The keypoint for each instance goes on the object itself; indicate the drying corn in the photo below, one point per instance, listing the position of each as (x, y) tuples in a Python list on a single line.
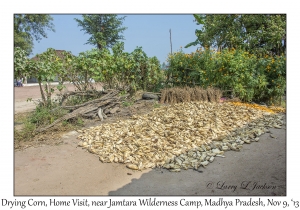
[(181, 136)]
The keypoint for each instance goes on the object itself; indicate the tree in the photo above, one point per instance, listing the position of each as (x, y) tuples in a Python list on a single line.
[(29, 27), (20, 62), (259, 34), (104, 29), (45, 67)]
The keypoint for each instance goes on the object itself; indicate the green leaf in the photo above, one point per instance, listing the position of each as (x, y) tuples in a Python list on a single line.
[(192, 44), (199, 19)]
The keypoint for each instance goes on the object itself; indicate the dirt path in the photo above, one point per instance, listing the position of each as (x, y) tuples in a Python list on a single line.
[(65, 169)]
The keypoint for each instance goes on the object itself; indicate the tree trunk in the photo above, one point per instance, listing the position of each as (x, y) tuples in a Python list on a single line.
[(48, 92), (42, 92), (99, 46), (86, 80)]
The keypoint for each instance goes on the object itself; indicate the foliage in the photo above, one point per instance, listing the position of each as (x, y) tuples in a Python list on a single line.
[(257, 34), (28, 27), (117, 69), (82, 69), (44, 116), (141, 72), (40, 117), (104, 29), (45, 68), (246, 75), (156, 105), (26, 133), (127, 103), (134, 69), (20, 62)]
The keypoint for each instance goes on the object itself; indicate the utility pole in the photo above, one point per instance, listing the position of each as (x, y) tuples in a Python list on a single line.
[(170, 40), (170, 75)]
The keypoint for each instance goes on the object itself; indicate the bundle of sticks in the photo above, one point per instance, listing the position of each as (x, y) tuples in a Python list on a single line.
[(91, 109)]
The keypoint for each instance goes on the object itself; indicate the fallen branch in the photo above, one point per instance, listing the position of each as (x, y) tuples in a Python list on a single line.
[(89, 109), (84, 104), (80, 93)]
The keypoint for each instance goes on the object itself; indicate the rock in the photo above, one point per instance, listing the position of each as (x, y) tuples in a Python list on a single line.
[(114, 110), (149, 96)]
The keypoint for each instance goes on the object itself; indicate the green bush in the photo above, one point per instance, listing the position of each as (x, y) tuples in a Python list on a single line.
[(248, 77), (44, 116)]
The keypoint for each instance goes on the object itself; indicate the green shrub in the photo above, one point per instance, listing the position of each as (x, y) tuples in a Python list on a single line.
[(248, 77)]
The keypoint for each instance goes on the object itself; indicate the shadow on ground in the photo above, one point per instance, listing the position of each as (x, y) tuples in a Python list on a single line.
[(259, 169)]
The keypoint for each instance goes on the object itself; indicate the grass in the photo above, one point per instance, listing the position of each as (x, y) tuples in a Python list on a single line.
[(127, 103), (40, 117), (122, 93), (43, 116), (26, 133)]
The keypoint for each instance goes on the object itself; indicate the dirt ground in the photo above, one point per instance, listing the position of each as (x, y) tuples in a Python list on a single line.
[(65, 169), (21, 94)]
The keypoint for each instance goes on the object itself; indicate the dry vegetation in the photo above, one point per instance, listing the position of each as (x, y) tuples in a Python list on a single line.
[(188, 94)]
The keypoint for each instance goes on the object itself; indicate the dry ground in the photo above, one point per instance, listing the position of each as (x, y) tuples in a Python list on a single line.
[(65, 169)]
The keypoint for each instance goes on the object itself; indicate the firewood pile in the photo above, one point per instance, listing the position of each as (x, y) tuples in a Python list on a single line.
[(108, 99)]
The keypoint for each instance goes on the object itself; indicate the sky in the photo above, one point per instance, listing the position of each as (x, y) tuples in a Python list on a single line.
[(151, 32)]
